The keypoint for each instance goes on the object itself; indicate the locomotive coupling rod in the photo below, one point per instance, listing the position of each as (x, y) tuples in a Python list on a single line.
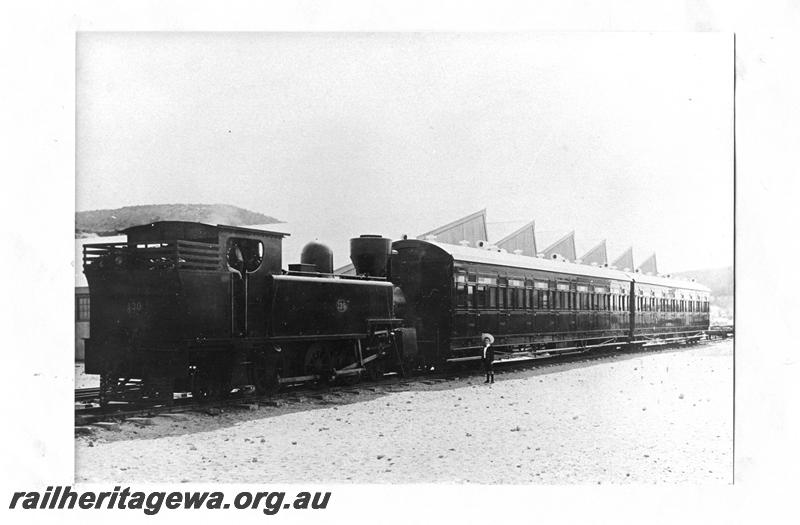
[(349, 372), (297, 379), (364, 361)]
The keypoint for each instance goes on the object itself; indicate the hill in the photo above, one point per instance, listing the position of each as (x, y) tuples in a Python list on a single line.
[(110, 222), (720, 280)]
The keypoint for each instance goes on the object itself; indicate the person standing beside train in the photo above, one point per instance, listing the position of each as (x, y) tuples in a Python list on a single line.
[(488, 357)]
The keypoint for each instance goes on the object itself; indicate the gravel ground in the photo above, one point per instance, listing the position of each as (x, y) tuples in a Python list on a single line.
[(663, 417), (85, 380)]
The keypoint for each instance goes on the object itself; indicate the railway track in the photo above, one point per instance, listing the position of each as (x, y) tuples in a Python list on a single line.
[(88, 411)]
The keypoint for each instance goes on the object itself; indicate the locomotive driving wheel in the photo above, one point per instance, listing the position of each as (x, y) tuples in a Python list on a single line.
[(208, 386), (158, 388), (318, 362), (264, 374), (375, 369), (108, 386)]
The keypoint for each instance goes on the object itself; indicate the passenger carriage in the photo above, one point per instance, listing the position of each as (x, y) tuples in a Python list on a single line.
[(532, 306)]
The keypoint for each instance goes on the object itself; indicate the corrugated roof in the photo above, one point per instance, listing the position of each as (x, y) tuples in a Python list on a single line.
[(649, 265), (471, 228), (624, 260), (598, 254), (523, 239), (565, 247)]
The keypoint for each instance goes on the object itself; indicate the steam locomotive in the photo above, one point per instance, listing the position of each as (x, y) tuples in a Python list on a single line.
[(191, 307)]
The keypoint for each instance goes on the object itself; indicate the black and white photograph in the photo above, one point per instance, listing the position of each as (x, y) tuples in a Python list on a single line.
[(404, 258), (360, 262)]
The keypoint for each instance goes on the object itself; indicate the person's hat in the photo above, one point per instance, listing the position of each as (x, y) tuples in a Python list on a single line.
[(490, 337)]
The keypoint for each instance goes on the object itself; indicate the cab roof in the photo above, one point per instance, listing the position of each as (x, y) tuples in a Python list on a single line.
[(190, 231)]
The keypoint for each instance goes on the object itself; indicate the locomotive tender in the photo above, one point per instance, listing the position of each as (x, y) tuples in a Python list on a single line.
[(193, 307)]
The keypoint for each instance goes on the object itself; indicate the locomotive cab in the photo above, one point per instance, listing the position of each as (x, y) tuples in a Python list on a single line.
[(175, 287)]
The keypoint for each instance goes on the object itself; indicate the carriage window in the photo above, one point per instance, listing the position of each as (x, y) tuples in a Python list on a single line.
[(501, 298), (461, 294), (470, 296), (82, 307), (492, 297), (480, 297)]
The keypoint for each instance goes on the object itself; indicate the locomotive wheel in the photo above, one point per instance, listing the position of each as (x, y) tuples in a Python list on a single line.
[(375, 370), (318, 362), (159, 388), (208, 387), (108, 383), (265, 375), (211, 391), (350, 380)]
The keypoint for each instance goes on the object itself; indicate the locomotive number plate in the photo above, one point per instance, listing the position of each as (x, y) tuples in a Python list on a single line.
[(134, 307)]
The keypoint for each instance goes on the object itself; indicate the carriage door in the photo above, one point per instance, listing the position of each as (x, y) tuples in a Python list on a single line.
[(244, 257)]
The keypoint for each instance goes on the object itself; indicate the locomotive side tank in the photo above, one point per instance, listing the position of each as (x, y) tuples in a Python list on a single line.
[(327, 326), (325, 307)]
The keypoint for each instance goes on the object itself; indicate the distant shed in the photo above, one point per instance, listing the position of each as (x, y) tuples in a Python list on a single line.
[(471, 228)]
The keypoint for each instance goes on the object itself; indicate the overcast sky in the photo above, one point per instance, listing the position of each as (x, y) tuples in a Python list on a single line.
[(625, 136)]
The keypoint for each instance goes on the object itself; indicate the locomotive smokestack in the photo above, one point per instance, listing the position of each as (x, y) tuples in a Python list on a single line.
[(370, 254)]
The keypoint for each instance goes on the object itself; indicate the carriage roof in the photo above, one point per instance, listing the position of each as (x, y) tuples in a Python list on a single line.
[(468, 254)]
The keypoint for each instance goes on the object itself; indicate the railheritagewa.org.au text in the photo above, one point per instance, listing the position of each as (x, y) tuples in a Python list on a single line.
[(152, 502)]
